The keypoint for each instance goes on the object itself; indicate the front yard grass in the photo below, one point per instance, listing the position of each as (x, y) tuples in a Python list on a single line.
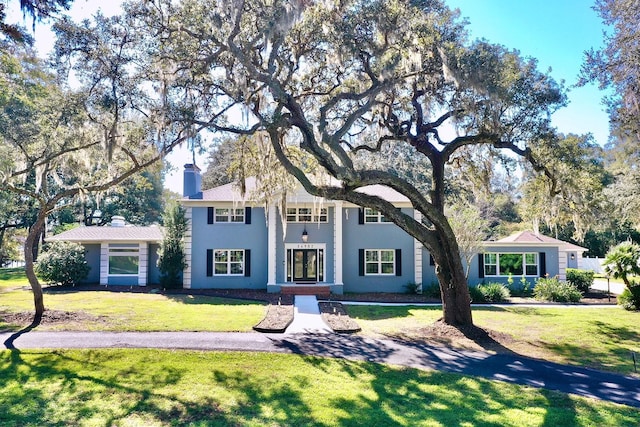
[(162, 388), (123, 311), (601, 338)]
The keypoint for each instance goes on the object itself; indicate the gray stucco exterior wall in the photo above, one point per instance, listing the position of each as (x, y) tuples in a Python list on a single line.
[(153, 274), (358, 236), (92, 255), (229, 236)]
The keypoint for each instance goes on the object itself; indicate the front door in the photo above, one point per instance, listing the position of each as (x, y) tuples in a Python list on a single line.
[(305, 265)]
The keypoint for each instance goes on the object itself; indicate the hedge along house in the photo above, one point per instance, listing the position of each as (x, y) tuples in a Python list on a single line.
[(118, 254)]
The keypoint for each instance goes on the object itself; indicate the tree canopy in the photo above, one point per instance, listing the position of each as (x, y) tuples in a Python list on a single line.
[(383, 74), (616, 65), (60, 143)]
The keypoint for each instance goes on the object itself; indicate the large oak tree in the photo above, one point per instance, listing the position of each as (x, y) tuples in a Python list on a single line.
[(59, 143), (340, 78)]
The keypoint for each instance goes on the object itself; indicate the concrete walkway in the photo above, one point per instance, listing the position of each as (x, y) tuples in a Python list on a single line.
[(503, 367), (306, 317)]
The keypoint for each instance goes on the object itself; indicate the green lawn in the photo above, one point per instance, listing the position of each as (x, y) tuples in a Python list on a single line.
[(123, 311), (157, 388), (602, 338)]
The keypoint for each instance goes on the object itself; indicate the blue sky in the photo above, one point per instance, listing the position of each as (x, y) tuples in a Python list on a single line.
[(556, 32)]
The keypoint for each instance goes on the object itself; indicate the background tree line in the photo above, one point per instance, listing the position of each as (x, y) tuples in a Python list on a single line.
[(367, 100)]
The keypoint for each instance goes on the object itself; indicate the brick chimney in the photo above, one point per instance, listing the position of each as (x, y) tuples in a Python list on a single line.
[(192, 182)]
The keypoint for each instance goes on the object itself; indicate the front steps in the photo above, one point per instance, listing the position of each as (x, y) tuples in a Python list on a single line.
[(320, 291)]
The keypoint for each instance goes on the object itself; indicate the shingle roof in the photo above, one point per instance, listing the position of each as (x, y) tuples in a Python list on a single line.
[(529, 237), (110, 234), (231, 193)]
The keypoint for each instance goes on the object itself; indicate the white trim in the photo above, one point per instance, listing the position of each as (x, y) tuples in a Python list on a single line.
[(229, 263), (524, 264), (337, 244), (379, 262), (132, 249), (417, 255), (143, 264), (271, 246), (379, 216), (186, 273), (317, 246), (314, 217), (104, 263), (562, 265), (232, 213)]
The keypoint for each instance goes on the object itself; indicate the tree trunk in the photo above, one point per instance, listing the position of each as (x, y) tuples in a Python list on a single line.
[(2, 257), (31, 241), (454, 289)]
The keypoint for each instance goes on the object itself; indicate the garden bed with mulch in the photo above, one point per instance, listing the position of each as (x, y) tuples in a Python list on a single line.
[(279, 313), (334, 315), (278, 317)]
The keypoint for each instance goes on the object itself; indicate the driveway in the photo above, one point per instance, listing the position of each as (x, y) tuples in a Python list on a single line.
[(601, 284), (509, 368)]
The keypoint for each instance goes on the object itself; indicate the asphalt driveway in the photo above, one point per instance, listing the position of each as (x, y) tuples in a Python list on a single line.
[(514, 369)]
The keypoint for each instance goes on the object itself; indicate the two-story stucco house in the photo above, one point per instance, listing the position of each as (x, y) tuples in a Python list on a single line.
[(234, 243)]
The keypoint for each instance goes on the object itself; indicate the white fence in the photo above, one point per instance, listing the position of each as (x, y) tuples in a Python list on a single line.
[(15, 264), (593, 264)]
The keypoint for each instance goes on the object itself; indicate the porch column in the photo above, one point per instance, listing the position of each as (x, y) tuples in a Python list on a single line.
[(271, 245), (562, 265), (143, 263), (417, 263), (337, 243), (186, 273), (104, 263)]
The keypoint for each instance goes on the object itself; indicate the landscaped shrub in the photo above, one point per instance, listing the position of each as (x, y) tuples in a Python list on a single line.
[(629, 299), (432, 290), (494, 292), (581, 279), (521, 289), (475, 294), (552, 289), (171, 256), (62, 263), (413, 288)]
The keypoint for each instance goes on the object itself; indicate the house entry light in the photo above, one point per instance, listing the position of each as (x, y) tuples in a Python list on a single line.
[(305, 235)]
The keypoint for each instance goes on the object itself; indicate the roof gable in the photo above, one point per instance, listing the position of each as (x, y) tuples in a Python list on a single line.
[(231, 193), (535, 239)]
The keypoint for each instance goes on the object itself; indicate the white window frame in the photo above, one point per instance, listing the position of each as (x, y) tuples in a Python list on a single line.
[(379, 262), (123, 250), (524, 264), (309, 215), (228, 262), (231, 216), (372, 216)]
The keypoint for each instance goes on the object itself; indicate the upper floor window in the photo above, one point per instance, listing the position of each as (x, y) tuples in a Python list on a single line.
[(372, 215), (307, 215), (230, 215)]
